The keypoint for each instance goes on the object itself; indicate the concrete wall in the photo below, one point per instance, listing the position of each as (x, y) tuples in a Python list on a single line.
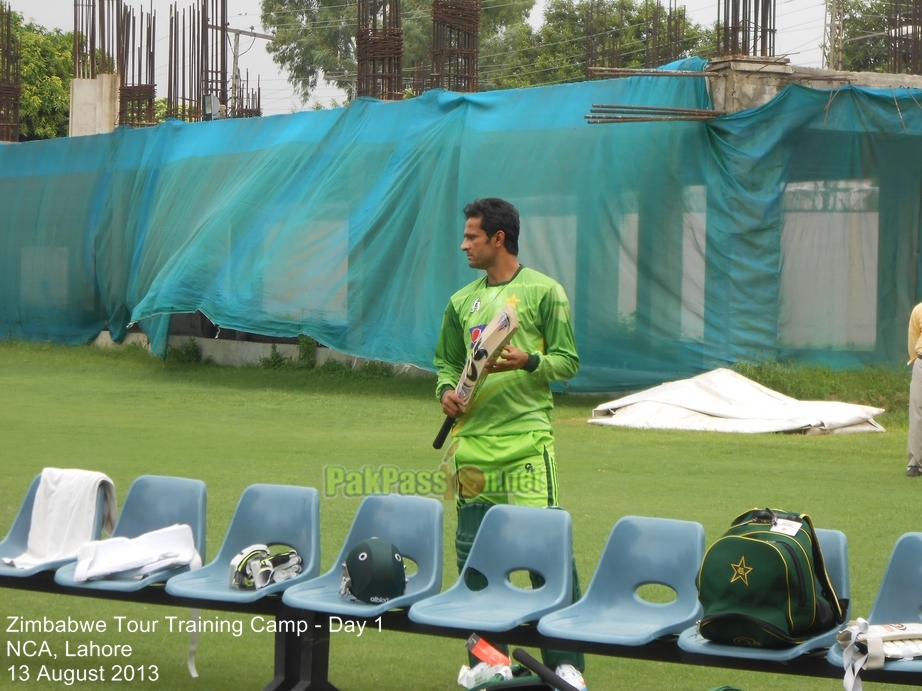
[(246, 353), (739, 83), (93, 105)]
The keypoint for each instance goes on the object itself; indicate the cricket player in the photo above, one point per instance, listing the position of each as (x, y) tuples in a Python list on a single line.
[(502, 447)]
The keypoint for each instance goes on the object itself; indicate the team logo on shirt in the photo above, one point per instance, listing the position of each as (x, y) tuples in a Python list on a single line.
[(476, 332), (476, 306)]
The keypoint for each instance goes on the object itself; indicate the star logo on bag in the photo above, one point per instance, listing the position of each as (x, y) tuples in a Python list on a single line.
[(740, 571)]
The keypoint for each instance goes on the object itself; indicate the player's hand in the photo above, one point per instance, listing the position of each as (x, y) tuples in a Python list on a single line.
[(452, 404), (511, 358)]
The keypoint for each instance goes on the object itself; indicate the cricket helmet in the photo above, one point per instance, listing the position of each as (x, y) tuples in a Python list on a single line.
[(374, 572)]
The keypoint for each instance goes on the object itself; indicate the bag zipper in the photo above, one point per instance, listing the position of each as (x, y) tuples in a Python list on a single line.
[(800, 572)]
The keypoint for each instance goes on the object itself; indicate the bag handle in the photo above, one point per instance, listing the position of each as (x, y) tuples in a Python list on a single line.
[(839, 607)]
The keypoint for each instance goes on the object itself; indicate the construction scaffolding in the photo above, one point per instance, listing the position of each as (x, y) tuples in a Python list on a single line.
[(604, 36), (664, 33), (455, 49), (746, 27), (136, 67), (197, 61), (609, 43), (246, 102), (904, 33), (214, 48), (10, 88), (95, 37), (379, 50)]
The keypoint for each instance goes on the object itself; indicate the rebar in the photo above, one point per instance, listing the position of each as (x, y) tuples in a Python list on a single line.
[(746, 27), (418, 79), (197, 64), (250, 100), (607, 114), (95, 37), (662, 33), (455, 48), (379, 50), (136, 67), (904, 33), (10, 71)]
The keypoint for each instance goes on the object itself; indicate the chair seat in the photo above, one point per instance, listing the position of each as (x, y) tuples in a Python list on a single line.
[(16, 542), (639, 551), (898, 600), (65, 576), (608, 625), (495, 611), (265, 514), (413, 525), (835, 554), (322, 595), (510, 539), (691, 642), (153, 502), (13, 572), (835, 656)]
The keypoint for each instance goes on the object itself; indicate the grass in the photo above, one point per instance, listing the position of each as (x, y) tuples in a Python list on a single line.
[(125, 413)]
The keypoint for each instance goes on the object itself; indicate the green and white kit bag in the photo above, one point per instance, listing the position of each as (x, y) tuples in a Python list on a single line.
[(764, 583)]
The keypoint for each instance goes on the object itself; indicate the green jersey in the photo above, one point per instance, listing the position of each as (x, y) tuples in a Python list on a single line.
[(521, 400)]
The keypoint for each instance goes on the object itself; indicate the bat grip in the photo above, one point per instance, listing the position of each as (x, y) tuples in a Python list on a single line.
[(542, 671), (443, 433)]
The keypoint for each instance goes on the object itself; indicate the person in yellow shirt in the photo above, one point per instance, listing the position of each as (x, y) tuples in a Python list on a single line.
[(914, 445)]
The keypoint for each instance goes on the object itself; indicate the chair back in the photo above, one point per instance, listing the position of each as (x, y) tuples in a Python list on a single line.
[(17, 539), (524, 538), (412, 524), (899, 599), (835, 554), (643, 551), (156, 501), (268, 514)]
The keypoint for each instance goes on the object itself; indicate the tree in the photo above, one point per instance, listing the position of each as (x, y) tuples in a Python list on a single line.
[(865, 45), (556, 52), (47, 65), (315, 39)]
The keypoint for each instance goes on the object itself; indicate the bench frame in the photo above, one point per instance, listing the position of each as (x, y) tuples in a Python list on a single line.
[(302, 662)]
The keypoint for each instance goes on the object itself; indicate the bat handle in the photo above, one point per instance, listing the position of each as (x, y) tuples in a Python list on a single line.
[(542, 671), (443, 433)]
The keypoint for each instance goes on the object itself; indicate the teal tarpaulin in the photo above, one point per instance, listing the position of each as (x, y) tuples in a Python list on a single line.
[(786, 231)]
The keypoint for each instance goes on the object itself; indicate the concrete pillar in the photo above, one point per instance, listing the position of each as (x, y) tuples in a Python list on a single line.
[(93, 105)]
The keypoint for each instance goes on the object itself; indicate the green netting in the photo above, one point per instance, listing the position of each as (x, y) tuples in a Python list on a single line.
[(787, 231)]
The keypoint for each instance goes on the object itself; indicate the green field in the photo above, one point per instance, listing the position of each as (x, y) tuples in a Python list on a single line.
[(126, 413)]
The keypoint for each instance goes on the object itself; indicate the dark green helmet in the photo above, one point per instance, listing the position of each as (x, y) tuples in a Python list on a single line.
[(374, 572)]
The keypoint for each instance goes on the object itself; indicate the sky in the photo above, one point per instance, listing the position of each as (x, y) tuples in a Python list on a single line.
[(800, 25)]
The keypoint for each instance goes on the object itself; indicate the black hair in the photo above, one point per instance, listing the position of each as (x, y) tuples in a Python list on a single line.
[(496, 214)]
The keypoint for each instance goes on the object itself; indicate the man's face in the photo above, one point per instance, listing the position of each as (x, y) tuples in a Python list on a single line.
[(480, 249)]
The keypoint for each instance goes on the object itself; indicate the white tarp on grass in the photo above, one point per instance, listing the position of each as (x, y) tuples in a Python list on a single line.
[(724, 401)]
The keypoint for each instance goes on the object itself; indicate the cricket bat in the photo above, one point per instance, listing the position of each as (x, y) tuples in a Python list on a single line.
[(494, 337)]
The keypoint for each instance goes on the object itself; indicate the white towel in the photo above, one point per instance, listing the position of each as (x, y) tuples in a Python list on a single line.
[(135, 558), (63, 515)]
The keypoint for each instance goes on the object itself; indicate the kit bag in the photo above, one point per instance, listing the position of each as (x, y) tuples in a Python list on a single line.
[(764, 583)]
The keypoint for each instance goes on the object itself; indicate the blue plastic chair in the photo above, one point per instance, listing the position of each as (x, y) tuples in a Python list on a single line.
[(413, 525), (835, 554), (153, 502), (511, 538), (17, 540), (899, 599), (265, 514), (639, 551)]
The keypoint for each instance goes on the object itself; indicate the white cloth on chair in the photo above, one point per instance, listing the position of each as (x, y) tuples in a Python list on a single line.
[(125, 558), (63, 515)]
